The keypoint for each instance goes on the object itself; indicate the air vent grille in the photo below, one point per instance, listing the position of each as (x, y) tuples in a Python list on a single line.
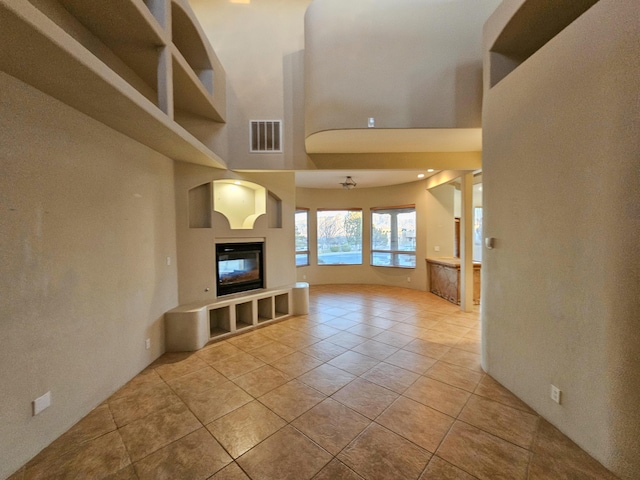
[(265, 136)]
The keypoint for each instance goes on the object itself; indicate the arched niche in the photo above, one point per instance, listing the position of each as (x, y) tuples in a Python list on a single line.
[(241, 202)]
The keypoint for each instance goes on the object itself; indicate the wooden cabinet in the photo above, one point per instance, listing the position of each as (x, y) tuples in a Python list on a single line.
[(444, 279)]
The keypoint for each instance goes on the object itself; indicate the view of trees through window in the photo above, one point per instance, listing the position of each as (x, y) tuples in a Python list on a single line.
[(339, 237), (393, 237), (302, 237)]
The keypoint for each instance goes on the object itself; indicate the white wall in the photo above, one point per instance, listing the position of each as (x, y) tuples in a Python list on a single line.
[(87, 222), (560, 170)]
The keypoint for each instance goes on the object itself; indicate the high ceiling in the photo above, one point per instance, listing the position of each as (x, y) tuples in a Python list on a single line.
[(364, 178)]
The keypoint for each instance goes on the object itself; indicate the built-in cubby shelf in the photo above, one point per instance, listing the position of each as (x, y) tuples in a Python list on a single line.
[(116, 62), (190, 327), (241, 202)]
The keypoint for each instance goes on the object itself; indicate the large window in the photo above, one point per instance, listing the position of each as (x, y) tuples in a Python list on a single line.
[(302, 237), (393, 236), (340, 237)]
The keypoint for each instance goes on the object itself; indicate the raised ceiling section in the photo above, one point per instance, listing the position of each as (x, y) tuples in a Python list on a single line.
[(393, 77)]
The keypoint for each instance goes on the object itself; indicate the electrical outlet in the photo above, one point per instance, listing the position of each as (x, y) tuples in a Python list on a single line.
[(168, 261), (147, 343), (42, 402), (556, 394), (409, 279), (436, 248)]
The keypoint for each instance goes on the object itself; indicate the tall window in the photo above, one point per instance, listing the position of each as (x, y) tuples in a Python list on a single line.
[(340, 237), (393, 236), (302, 237)]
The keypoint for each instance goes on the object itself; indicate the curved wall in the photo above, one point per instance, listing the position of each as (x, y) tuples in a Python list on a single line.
[(561, 183), (407, 63)]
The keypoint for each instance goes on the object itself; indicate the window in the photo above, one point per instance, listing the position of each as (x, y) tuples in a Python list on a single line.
[(302, 237), (393, 236), (340, 237)]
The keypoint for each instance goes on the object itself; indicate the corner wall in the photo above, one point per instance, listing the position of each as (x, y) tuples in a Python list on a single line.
[(87, 223), (560, 290)]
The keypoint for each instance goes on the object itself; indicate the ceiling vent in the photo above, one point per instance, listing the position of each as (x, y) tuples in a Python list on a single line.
[(265, 136)]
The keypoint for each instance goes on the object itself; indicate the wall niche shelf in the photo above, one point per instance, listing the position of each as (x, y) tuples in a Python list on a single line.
[(241, 202), (113, 61)]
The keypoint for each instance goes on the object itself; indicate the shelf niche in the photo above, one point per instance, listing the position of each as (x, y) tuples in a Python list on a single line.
[(241, 202)]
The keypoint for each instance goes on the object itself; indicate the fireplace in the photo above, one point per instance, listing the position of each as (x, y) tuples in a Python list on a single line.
[(239, 267)]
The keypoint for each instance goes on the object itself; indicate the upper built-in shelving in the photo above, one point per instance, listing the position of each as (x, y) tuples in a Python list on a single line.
[(127, 63)]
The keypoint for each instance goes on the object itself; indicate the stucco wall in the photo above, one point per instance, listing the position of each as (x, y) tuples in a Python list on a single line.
[(560, 290), (87, 223)]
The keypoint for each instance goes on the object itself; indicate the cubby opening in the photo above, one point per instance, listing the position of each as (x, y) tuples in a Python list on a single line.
[(265, 309), (187, 38), (530, 28), (219, 321), (281, 305), (244, 315), (200, 206)]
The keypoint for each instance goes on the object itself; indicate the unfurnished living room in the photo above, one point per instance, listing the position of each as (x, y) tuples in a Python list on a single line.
[(320, 239)]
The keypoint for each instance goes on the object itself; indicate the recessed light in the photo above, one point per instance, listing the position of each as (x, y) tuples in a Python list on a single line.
[(430, 170), (421, 175), (237, 182)]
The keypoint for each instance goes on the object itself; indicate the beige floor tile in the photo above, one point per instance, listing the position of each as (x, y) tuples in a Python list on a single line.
[(198, 381), (443, 338), (292, 399), (456, 376), (556, 457), (365, 397), (379, 322), (327, 378), (341, 323), (250, 341), (462, 358), (391, 377), (245, 427), (438, 469), (482, 454), (286, 455), (336, 470), (346, 339), (217, 401), (322, 331), (272, 352), (438, 395), (374, 349), (331, 425), (422, 425), (500, 420), (411, 361), (175, 365), (379, 454), (297, 340), (260, 381), (469, 345), (324, 350), (490, 388), (148, 434), (144, 379), (194, 456), (394, 339), (296, 364), (127, 473), (97, 423), (230, 472), (353, 362), (426, 348), (142, 402), (217, 351), (451, 329), (96, 458), (365, 330), (238, 365)]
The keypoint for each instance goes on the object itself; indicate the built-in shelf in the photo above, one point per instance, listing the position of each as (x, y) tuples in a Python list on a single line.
[(244, 315), (241, 202), (113, 70), (200, 206), (265, 309), (219, 321)]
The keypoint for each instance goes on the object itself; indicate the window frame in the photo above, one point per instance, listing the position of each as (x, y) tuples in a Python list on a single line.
[(395, 253), (306, 252)]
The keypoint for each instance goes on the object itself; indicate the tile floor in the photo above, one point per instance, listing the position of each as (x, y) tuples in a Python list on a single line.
[(375, 383)]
